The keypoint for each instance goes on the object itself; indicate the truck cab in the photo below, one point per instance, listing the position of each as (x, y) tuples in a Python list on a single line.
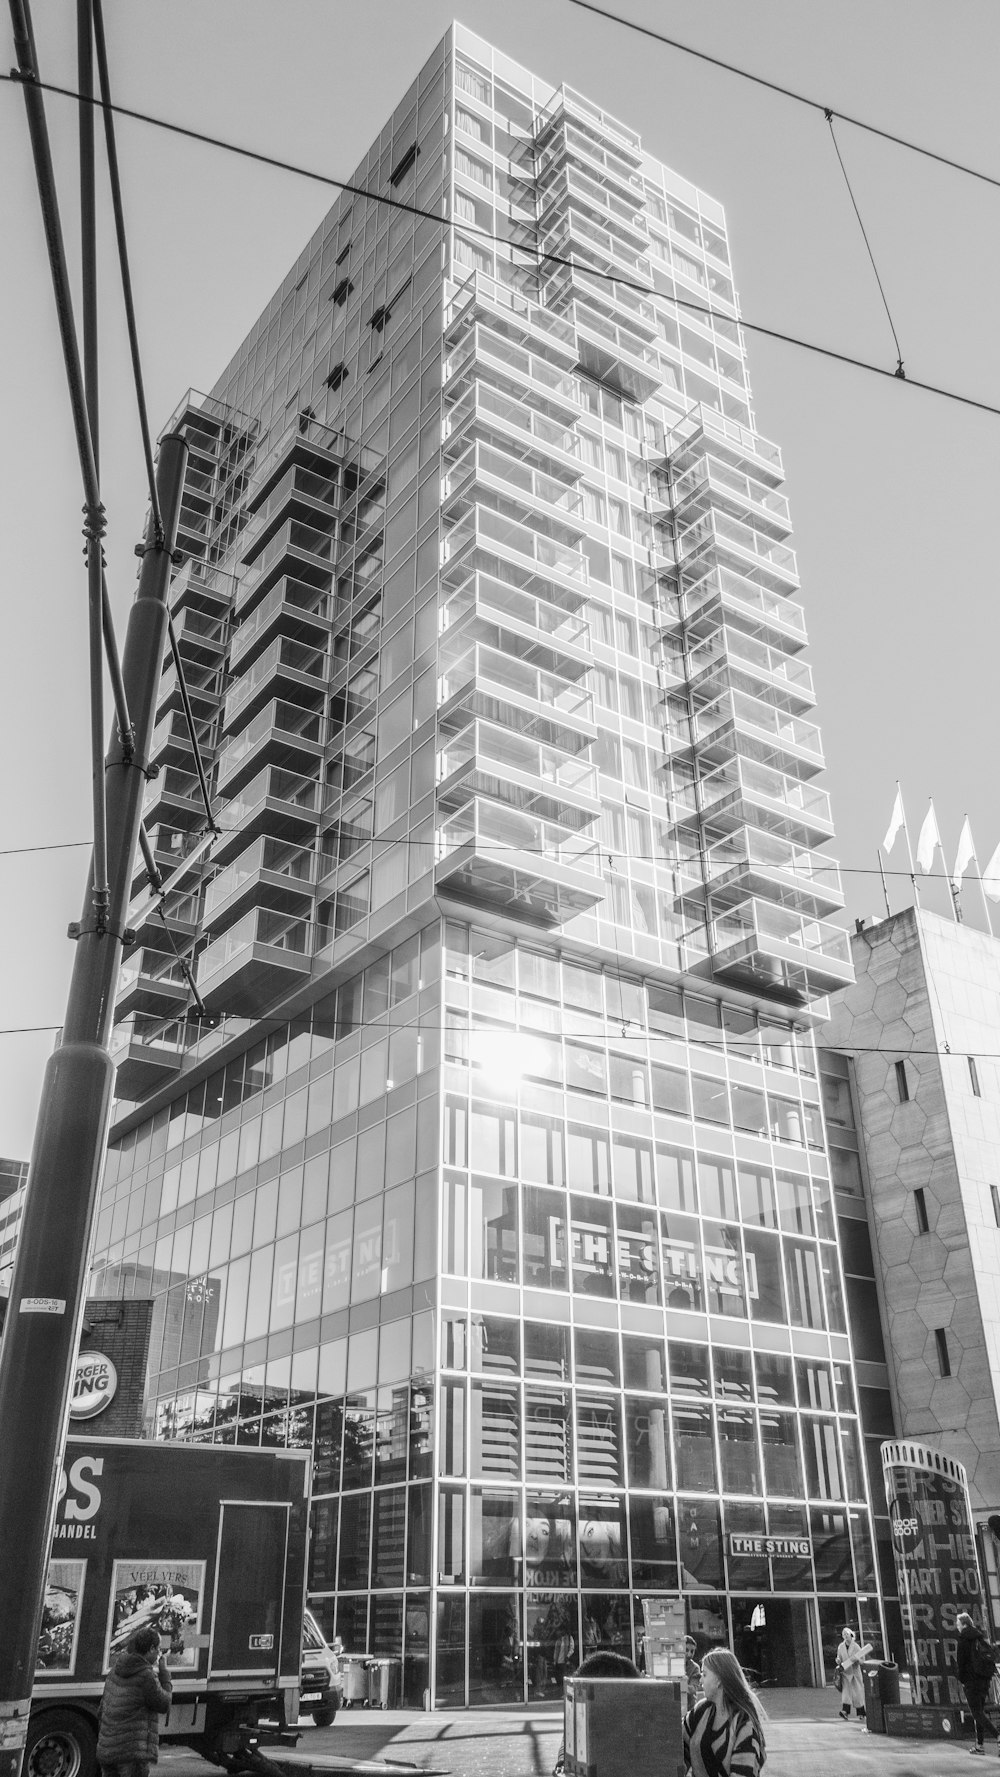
[(322, 1688)]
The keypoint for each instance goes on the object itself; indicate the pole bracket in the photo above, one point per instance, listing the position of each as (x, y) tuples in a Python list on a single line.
[(78, 929)]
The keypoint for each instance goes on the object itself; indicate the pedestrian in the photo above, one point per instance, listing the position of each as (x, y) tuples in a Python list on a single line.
[(136, 1693), (724, 1732), (850, 1658), (976, 1666)]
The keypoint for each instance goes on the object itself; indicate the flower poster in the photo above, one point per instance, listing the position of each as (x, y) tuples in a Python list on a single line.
[(60, 1617), (164, 1595)]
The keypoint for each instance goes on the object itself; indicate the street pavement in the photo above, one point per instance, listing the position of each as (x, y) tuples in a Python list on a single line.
[(804, 1735)]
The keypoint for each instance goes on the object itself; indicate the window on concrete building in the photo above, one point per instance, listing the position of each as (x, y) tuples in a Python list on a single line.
[(995, 1197), (920, 1204), (902, 1085), (944, 1361), (974, 1077)]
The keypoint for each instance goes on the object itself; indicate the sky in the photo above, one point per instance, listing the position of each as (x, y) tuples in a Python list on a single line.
[(892, 490)]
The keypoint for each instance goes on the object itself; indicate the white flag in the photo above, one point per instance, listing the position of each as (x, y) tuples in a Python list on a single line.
[(929, 841), (964, 856), (991, 877), (896, 821)]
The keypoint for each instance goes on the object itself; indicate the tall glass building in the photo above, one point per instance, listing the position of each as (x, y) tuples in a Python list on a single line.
[(496, 1174)]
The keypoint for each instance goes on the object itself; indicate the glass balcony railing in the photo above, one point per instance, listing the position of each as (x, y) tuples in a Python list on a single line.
[(717, 528), (195, 580), (197, 627), (493, 750), (493, 829), (601, 161), (173, 781), (288, 594), (488, 529), (746, 779), (573, 226), (300, 430), (277, 718), (488, 406), (568, 183), (492, 668), (757, 922), (757, 601), (283, 656), (279, 931), (484, 462), (735, 707), (272, 785), (755, 850), (151, 965), (296, 863), (731, 647), (712, 476), (171, 1036), (294, 537), (484, 346), (490, 295), (497, 602)]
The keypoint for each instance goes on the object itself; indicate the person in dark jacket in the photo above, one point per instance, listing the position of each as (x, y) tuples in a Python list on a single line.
[(136, 1694), (976, 1666)]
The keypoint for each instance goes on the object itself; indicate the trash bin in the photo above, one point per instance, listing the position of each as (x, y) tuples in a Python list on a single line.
[(888, 1682), (873, 1699), (383, 1683), (354, 1670)]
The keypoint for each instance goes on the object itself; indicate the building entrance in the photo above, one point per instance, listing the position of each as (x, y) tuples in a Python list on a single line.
[(774, 1640)]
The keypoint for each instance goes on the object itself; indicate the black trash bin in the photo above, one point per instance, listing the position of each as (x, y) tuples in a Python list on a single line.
[(873, 1699), (888, 1682)]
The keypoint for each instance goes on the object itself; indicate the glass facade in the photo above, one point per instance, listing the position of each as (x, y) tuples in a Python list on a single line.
[(490, 1163)]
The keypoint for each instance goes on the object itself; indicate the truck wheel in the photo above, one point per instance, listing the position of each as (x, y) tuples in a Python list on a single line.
[(324, 1718), (60, 1744)]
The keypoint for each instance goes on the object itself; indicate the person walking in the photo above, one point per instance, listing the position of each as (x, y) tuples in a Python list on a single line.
[(976, 1666), (724, 1732), (136, 1693), (850, 1658)]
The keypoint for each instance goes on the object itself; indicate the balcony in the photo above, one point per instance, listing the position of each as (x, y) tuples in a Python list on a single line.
[(772, 950), (147, 1052), (748, 794), (704, 425), (497, 761), (204, 685), (171, 742), (276, 802), (198, 587), (485, 412), (201, 636), (721, 593), (151, 981), (733, 659), (296, 610), (571, 232), (299, 493), (280, 734), (772, 869), (614, 354), (264, 955), (565, 143), (483, 466), (488, 535), (304, 440), (174, 797), (518, 864), (489, 611), (287, 669), (710, 480), (741, 547), (483, 348), (298, 550), (181, 913), (488, 682), (270, 873), (735, 723)]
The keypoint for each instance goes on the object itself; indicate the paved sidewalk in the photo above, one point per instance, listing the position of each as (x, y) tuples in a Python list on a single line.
[(804, 1735)]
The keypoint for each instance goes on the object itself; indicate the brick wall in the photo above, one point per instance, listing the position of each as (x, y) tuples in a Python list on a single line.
[(121, 1331)]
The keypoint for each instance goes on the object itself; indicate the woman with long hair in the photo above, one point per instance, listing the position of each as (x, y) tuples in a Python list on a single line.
[(724, 1732)]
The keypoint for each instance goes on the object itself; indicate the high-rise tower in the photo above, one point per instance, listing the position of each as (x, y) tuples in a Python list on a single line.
[(499, 1178)]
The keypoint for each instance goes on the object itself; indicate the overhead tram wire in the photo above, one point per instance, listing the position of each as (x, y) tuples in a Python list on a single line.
[(787, 92), (531, 255), (899, 371)]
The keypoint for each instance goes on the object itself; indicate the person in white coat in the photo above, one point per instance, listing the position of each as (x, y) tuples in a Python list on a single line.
[(850, 1658)]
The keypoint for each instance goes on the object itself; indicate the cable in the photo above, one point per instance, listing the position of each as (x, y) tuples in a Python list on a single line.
[(900, 372), (787, 92), (531, 254), (123, 260)]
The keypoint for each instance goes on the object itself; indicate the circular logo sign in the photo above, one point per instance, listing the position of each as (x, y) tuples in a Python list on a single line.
[(95, 1383)]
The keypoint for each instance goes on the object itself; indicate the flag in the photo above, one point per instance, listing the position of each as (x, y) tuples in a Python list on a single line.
[(964, 856), (896, 821), (929, 841), (991, 877)]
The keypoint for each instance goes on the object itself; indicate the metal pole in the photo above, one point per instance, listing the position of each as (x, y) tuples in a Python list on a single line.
[(47, 1291), (885, 891)]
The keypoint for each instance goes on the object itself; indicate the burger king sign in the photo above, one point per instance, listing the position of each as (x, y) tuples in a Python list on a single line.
[(95, 1383)]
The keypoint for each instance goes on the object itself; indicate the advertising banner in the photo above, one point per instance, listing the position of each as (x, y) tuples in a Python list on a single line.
[(60, 1628), (934, 1545)]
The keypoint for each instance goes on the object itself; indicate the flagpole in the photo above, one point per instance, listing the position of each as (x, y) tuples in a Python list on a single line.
[(885, 891), (982, 894), (909, 848)]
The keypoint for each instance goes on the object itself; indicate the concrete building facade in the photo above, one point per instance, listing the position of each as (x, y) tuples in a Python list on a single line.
[(921, 1024), (497, 1175)]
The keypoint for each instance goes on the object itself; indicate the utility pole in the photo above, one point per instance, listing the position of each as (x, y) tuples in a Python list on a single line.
[(39, 1346)]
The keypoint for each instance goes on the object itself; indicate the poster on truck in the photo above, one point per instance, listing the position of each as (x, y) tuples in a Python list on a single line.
[(60, 1628), (164, 1595)]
